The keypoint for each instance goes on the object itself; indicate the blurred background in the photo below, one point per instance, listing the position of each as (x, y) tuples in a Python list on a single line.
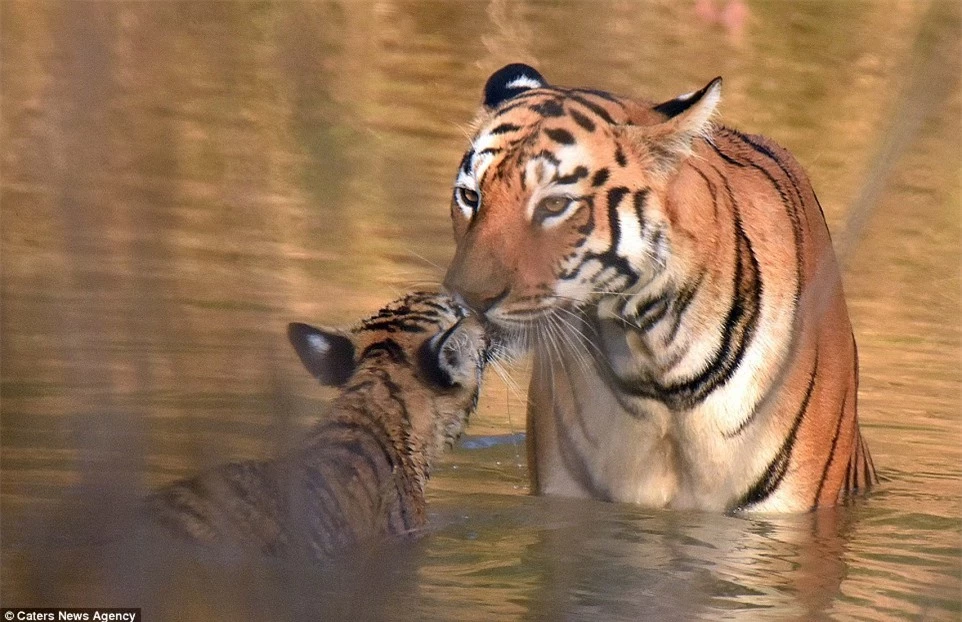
[(181, 179)]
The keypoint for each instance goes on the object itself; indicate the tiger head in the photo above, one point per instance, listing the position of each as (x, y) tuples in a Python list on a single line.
[(560, 199), (424, 352)]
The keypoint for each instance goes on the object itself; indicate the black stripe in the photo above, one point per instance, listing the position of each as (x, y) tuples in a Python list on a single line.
[(523, 98), (394, 325), (593, 107), (600, 177), (547, 155), (582, 120), (615, 196), (737, 332), (440, 308), (682, 302), (328, 520), (466, 162), (549, 108), (501, 170), (848, 479), (786, 171), (766, 151), (365, 428), (620, 157), (601, 94), (560, 135), (831, 452), (610, 259), (871, 464), (857, 470), (358, 450), (504, 128), (389, 347), (574, 177), (865, 463), (640, 198), (374, 430), (712, 189), (774, 474), (790, 207), (571, 458), (650, 313)]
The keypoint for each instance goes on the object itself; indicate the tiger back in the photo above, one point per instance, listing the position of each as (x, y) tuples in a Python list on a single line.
[(409, 379), (676, 281)]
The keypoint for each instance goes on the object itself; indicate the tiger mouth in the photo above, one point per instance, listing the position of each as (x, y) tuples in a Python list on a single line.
[(515, 332)]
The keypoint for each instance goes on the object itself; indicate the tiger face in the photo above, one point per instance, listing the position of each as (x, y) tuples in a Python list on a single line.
[(557, 203)]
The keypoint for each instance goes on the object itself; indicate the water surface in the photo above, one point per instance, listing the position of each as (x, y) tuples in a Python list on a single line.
[(181, 179)]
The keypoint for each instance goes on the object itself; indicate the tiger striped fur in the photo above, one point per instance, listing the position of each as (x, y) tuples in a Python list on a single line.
[(410, 378), (677, 284)]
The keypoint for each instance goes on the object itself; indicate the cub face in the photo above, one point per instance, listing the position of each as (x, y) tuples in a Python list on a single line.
[(559, 199)]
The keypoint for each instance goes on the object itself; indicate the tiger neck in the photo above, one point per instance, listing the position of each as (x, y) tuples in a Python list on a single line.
[(373, 404), (656, 340)]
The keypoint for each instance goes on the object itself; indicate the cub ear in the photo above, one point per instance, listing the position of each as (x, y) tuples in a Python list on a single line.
[(454, 356), (510, 81), (327, 354), (688, 117)]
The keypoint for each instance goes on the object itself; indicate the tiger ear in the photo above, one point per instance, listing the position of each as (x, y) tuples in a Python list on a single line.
[(449, 358), (509, 81), (687, 117), (328, 354)]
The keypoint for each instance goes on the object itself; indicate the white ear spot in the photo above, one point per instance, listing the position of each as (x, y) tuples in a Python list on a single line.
[(318, 343), (524, 82)]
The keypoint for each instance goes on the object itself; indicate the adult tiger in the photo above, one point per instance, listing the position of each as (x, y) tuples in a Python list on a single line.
[(677, 283)]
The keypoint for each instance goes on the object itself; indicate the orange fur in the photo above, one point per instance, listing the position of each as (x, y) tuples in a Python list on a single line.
[(692, 344)]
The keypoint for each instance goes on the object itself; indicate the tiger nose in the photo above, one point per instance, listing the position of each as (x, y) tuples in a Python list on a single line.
[(478, 301)]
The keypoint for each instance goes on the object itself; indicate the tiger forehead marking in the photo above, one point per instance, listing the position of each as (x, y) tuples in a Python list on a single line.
[(676, 283), (547, 128)]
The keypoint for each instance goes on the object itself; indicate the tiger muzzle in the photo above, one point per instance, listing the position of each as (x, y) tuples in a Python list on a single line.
[(479, 284)]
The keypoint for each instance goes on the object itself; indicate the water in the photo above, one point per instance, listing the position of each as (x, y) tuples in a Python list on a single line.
[(180, 180)]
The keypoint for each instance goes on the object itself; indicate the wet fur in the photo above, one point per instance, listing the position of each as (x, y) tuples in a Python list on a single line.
[(361, 472)]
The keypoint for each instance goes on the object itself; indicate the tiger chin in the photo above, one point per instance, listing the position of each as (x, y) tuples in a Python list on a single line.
[(409, 379), (676, 282)]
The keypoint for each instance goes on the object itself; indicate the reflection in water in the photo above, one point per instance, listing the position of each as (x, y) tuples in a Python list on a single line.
[(180, 180)]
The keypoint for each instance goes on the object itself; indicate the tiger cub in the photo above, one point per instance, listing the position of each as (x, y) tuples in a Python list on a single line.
[(676, 281), (409, 379)]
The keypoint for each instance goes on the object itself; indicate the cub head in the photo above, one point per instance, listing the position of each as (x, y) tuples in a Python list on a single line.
[(560, 198), (424, 350)]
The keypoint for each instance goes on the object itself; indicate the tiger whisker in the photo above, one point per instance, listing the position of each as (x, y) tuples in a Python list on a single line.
[(425, 260), (583, 339), (558, 325), (509, 382)]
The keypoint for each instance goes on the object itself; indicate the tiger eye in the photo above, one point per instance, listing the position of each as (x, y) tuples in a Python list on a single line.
[(469, 197), (553, 205)]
